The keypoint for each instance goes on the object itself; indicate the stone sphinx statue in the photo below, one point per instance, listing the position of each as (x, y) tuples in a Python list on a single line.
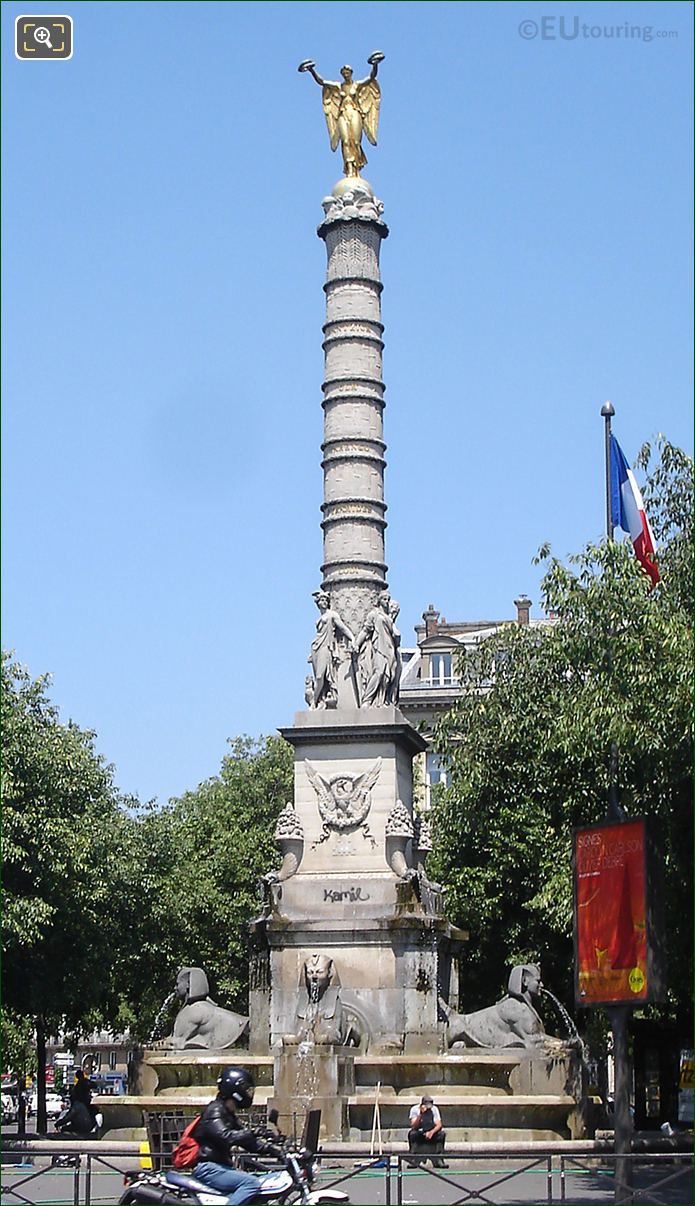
[(320, 1017), (511, 1022), (200, 1022)]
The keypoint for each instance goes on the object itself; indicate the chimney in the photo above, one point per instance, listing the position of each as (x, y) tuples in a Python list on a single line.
[(523, 607), (431, 618)]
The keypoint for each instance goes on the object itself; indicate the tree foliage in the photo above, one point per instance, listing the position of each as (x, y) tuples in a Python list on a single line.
[(668, 499), (103, 900), (196, 866), (60, 817), (17, 1042), (527, 746)]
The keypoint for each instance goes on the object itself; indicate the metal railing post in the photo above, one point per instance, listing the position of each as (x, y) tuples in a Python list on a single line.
[(76, 1182), (549, 1177), (88, 1181)]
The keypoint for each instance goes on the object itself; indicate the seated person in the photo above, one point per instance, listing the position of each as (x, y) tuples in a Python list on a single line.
[(426, 1136)]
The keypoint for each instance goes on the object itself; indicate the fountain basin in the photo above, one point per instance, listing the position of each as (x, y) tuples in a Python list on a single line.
[(484, 1095), (159, 1070)]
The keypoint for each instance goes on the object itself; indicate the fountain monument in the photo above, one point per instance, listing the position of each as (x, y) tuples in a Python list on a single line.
[(354, 968)]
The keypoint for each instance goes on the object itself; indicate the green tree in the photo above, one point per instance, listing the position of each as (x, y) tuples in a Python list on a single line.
[(527, 746), (196, 865), (668, 498), (17, 1043), (60, 822), (105, 899)]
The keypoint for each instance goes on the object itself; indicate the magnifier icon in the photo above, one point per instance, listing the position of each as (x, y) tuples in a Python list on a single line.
[(42, 36)]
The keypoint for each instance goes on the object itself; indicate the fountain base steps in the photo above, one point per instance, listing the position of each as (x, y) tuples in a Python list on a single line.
[(467, 1119)]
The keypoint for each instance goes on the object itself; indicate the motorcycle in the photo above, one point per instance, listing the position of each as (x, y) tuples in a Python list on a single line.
[(292, 1183)]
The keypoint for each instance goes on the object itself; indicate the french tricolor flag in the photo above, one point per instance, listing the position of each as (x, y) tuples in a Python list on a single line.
[(628, 511)]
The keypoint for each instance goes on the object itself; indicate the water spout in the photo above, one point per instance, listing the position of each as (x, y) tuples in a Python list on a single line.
[(572, 1031), (306, 1081), (160, 1016), (312, 1013)]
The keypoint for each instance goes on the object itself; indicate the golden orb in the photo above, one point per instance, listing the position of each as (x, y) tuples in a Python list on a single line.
[(348, 183)]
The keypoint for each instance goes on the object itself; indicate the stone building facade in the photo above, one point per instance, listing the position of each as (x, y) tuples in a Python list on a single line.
[(430, 683)]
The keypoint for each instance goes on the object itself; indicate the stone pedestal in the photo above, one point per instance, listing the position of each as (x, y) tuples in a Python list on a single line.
[(309, 1076), (356, 896)]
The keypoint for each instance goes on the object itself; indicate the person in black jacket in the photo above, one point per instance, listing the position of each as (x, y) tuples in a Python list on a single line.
[(80, 1118), (219, 1130)]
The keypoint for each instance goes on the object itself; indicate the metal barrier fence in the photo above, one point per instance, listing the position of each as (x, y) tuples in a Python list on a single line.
[(165, 1129), (574, 1174)]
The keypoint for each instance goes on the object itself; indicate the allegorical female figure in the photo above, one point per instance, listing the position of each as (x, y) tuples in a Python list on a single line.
[(325, 655), (351, 107), (394, 609), (378, 650)]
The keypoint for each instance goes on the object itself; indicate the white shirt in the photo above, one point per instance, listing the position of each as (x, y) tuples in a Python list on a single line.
[(415, 1114)]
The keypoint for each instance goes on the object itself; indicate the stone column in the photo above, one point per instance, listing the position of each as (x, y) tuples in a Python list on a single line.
[(354, 570)]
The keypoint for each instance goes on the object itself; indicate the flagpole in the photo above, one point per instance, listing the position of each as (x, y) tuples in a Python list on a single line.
[(618, 1014), (615, 812), (608, 410)]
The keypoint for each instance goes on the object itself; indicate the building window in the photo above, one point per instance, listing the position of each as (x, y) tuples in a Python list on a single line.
[(112, 1061), (435, 774), (441, 670)]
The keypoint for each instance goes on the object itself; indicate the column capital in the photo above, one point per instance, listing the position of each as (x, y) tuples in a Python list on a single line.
[(356, 204)]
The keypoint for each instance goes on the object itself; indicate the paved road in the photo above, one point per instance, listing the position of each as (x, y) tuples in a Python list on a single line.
[(490, 1180), (490, 1184)]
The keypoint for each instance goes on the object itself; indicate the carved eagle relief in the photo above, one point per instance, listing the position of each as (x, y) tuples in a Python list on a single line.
[(344, 800)]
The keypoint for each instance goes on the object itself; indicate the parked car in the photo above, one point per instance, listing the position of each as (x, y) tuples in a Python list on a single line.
[(54, 1104)]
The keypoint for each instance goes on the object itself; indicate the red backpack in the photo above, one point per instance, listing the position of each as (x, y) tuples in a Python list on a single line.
[(187, 1150)]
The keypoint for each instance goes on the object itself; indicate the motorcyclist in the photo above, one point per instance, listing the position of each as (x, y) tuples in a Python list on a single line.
[(80, 1118), (219, 1131)]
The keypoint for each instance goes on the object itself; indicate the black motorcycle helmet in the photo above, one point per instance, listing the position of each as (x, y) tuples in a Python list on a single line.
[(238, 1084)]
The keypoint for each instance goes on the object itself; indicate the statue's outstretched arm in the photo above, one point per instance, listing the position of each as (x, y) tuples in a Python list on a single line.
[(310, 66), (374, 59)]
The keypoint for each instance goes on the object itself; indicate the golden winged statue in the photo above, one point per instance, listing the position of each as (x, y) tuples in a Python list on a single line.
[(350, 107)]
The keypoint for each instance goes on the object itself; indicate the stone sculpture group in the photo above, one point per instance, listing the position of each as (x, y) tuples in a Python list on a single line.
[(321, 1018), (374, 671)]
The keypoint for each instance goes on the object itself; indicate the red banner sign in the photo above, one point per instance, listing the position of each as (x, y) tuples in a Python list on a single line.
[(611, 914)]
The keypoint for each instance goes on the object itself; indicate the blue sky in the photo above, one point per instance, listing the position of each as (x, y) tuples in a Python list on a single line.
[(163, 310)]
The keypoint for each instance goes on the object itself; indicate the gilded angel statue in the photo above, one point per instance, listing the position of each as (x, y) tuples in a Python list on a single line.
[(350, 108)]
